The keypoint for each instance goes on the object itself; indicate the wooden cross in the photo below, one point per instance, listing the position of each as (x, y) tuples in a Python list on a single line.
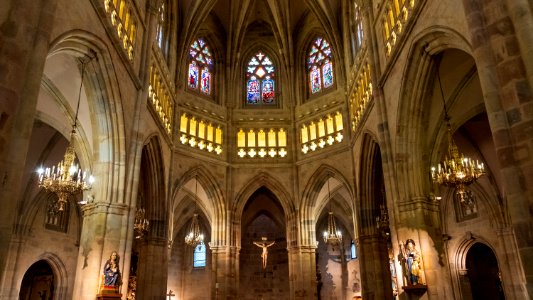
[(170, 295)]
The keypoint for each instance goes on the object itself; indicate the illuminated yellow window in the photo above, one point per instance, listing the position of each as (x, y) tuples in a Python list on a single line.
[(303, 134), (312, 131), (251, 138), (272, 138), (282, 138), (338, 121), (321, 129), (329, 122), (261, 138), (241, 139), (218, 136), (183, 123), (201, 130), (192, 127), (121, 9), (210, 130)]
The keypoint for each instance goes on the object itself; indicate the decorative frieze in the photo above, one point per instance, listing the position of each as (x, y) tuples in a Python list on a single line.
[(322, 132), (361, 94), (125, 22), (262, 143), (200, 134)]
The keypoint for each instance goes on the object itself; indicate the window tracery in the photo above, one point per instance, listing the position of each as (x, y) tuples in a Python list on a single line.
[(319, 66), (199, 256), (260, 82), (200, 67)]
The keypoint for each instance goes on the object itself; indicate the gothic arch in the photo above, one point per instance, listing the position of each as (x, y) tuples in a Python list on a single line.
[(418, 74), (212, 205), (103, 97), (313, 205), (368, 207), (276, 188), (152, 170)]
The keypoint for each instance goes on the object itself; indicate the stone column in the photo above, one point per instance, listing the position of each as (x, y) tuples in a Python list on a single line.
[(508, 100), (375, 274), (302, 272), (225, 266), (25, 34), (152, 269), (102, 233)]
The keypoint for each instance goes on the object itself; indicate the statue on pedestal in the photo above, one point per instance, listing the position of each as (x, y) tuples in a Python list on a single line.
[(411, 262)]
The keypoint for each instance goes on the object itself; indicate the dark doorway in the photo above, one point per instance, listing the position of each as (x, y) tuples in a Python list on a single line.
[(38, 282), (483, 273)]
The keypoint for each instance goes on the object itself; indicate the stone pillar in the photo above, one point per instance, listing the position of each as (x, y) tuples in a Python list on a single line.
[(508, 101), (225, 266), (25, 34), (302, 272), (102, 233), (375, 274), (152, 269)]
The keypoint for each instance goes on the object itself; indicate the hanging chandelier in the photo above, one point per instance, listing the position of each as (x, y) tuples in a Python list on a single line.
[(67, 179), (141, 224), (194, 235), (332, 236), (456, 170)]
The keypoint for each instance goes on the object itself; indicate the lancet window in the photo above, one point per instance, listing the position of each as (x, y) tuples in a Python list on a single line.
[(200, 68), (260, 82), (319, 66)]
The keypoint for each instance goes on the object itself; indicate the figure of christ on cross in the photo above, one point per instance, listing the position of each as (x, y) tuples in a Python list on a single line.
[(264, 245)]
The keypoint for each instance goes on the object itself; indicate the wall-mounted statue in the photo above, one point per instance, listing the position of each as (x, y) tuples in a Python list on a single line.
[(112, 278), (410, 258)]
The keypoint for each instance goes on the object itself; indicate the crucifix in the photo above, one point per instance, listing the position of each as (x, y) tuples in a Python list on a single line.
[(264, 245), (170, 295)]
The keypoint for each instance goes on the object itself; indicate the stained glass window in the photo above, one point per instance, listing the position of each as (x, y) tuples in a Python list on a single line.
[(260, 83), (199, 256), (320, 66), (161, 19), (200, 67)]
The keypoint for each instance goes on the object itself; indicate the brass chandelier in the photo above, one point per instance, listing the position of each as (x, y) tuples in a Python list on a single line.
[(141, 224), (332, 236), (456, 170), (194, 235), (67, 179)]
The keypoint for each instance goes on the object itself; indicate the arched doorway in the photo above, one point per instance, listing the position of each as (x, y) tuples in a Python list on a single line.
[(38, 282), (483, 273), (263, 217)]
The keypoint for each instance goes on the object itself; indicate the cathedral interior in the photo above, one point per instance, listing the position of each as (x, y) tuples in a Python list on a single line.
[(266, 149)]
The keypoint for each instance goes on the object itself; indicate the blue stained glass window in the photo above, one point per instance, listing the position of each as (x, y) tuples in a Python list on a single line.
[(199, 256), (260, 84), (320, 66), (353, 251), (200, 67), (315, 80), (327, 72), (206, 81), (193, 75), (253, 91)]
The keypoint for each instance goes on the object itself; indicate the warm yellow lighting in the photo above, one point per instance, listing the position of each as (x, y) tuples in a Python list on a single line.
[(201, 145), (192, 141), (282, 152), (272, 138), (184, 139), (305, 149), (321, 143), (282, 138), (313, 146), (261, 138), (241, 152), (456, 170), (241, 139), (303, 135), (272, 152), (252, 152), (339, 137), (262, 152), (218, 150), (251, 138), (210, 147), (331, 140)]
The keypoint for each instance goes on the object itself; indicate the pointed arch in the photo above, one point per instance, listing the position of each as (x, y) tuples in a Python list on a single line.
[(152, 187), (210, 201), (200, 67), (418, 74), (106, 115), (315, 199)]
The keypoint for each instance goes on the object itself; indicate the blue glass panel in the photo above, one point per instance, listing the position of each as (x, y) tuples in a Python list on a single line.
[(268, 91), (206, 82), (314, 77), (353, 251), (199, 256), (252, 88), (327, 71), (193, 76)]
